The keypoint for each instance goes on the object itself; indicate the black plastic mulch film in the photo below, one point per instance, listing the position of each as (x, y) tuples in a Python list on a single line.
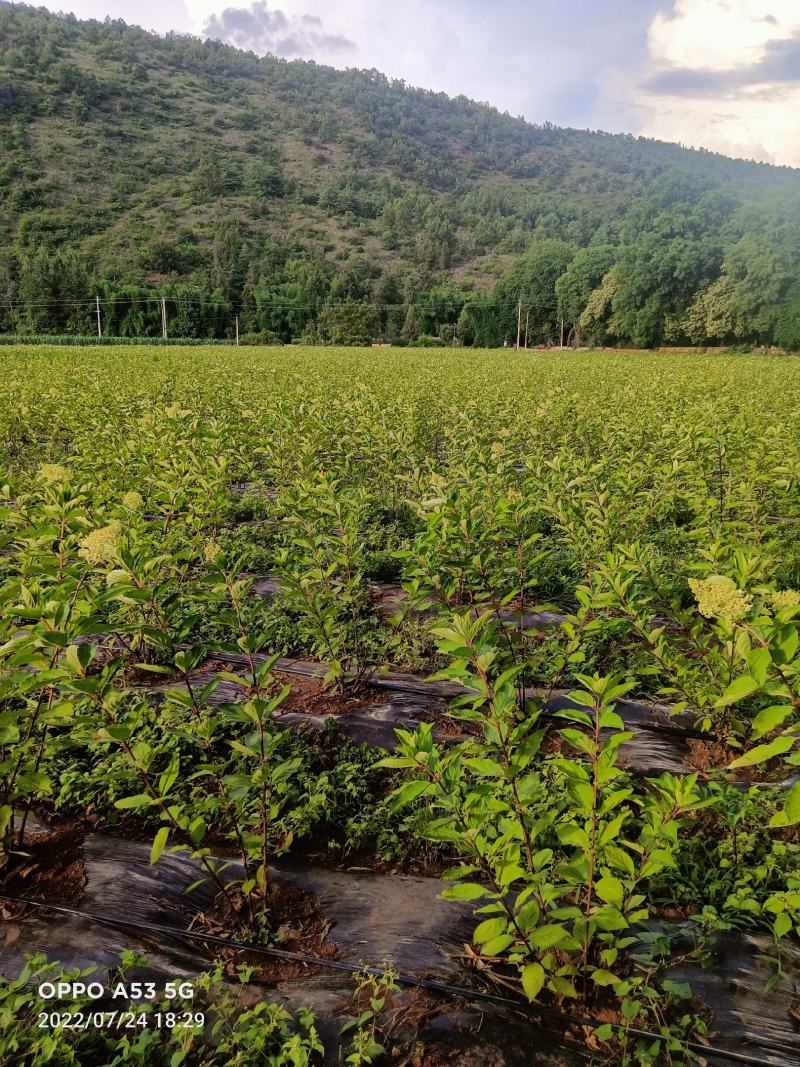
[(442, 988)]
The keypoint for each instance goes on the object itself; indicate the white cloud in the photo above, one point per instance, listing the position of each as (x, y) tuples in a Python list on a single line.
[(719, 34), (411, 39), (725, 75)]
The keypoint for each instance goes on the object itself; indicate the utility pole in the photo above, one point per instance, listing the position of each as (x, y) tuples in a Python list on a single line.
[(519, 320), (99, 327), (562, 333), (163, 317), (237, 329), (527, 318)]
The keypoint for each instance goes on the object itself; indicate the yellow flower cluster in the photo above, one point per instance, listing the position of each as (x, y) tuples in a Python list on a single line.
[(211, 551), (132, 500), (785, 598), (101, 544), (718, 598), (53, 474)]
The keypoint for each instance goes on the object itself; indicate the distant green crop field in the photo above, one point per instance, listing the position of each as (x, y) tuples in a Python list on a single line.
[(679, 450)]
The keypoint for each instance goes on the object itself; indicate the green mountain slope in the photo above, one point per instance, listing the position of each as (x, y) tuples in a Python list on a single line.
[(134, 164)]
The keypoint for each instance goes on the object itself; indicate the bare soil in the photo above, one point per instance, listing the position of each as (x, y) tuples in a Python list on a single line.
[(294, 917), (140, 677), (707, 756), (50, 867), (310, 697)]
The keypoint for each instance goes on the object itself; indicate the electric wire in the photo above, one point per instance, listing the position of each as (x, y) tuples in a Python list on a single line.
[(90, 303)]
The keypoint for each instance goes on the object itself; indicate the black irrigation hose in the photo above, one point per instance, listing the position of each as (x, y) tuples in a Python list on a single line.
[(347, 968)]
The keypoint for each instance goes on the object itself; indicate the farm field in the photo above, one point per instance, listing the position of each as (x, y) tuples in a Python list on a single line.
[(480, 669)]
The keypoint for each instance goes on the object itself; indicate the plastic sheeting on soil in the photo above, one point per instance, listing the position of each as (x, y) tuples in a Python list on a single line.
[(658, 743), (389, 599), (396, 920)]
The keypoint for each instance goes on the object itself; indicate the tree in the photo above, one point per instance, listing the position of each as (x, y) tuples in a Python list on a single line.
[(532, 281), (228, 266), (578, 282), (264, 180), (787, 327), (439, 308), (348, 323), (410, 329), (710, 316), (671, 249), (388, 297), (54, 290), (596, 320), (208, 180), (482, 323)]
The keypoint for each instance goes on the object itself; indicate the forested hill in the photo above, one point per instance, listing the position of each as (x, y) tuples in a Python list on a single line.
[(342, 206)]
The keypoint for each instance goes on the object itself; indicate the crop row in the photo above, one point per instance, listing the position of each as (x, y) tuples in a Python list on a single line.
[(538, 525)]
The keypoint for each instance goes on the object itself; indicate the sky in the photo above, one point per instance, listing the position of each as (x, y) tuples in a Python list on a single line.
[(721, 74)]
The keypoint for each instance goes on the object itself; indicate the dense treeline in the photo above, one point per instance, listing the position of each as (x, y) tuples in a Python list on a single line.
[(341, 207)]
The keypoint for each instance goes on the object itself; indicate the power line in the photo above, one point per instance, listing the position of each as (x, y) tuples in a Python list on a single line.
[(90, 304)]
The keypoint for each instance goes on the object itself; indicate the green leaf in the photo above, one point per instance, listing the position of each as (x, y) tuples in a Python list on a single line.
[(498, 945), (453, 873), (117, 731), (141, 800), (409, 792), (512, 872), (678, 989), (562, 987), (603, 977), (788, 642), (532, 980), (488, 929), (34, 782), (528, 915), (6, 811), (619, 859), (579, 741), (738, 690), (792, 806), (610, 890), (789, 815), (584, 795), (610, 918), (169, 777), (159, 843), (197, 830), (611, 830), (547, 936), (464, 891), (758, 663), (659, 859), (611, 720), (762, 753), (486, 768), (782, 924), (770, 718)]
